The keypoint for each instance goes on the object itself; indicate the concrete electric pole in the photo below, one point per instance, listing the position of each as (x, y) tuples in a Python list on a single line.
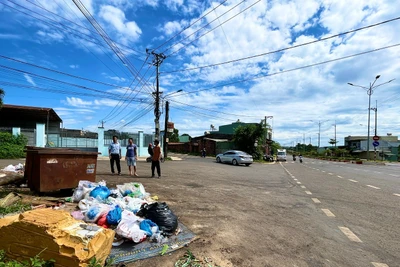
[(157, 60)]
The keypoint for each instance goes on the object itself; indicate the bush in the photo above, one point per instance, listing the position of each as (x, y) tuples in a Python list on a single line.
[(12, 147)]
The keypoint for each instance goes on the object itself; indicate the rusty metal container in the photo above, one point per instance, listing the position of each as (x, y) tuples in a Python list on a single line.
[(53, 169)]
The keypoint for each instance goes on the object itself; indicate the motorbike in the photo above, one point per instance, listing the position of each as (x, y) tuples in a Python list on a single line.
[(294, 158), (301, 160), (268, 158)]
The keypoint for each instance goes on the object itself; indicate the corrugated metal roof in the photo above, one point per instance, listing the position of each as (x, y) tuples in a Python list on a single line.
[(14, 112)]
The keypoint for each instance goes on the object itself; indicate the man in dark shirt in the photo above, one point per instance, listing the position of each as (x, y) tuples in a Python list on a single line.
[(131, 157), (155, 160)]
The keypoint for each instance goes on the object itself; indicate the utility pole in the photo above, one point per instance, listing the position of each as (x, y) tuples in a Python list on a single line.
[(370, 91), (157, 60), (166, 129), (319, 131), (376, 124), (335, 133)]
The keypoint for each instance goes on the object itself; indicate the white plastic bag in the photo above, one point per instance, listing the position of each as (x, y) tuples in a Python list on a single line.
[(129, 227), (95, 212), (132, 189), (133, 204)]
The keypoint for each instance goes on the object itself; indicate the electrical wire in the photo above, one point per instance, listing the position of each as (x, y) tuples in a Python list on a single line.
[(187, 27), (284, 49), (172, 46), (79, 25), (105, 37), (220, 25), (290, 70), (215, 111)]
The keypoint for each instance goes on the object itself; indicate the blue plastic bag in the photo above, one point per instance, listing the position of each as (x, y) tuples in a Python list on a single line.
[(100, 192), (114, 216), (146, 226)]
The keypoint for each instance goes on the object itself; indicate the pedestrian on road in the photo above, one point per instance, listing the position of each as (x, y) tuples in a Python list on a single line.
[(203, 153), (131, 157), (114, 152), (155, 160)]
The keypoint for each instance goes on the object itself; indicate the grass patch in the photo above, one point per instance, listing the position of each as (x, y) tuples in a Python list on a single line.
[(189, 260), (33, 262), (17, 207)]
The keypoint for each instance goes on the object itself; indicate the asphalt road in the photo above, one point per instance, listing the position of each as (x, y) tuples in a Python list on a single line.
[(317, 213)]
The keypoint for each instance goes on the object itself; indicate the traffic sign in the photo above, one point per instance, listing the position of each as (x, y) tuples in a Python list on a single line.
[(375, 138), (375, 143)]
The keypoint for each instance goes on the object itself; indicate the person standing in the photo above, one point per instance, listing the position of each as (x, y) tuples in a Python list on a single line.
[(155, 160), (131, 156), (114, 152)]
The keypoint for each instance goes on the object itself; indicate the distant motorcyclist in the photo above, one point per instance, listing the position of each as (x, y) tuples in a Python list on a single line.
[(301, 158), (294, 157)]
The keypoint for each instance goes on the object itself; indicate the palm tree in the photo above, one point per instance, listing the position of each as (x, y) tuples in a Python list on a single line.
[(1, 97)]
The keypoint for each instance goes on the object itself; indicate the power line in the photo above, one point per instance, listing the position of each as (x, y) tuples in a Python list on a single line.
[(63, 73), (290, 70), (202, 27), (79, 25), (187, 27), (220, 25), (216, 111), (111, 44), (285, 49)]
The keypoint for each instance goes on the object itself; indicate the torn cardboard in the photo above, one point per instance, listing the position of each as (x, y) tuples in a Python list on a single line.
[(55, 235)]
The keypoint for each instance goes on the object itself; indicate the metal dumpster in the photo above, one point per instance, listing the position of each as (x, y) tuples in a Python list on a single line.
[(53, 169)]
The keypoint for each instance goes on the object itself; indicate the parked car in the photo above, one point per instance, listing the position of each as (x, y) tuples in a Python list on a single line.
[(235, 157)]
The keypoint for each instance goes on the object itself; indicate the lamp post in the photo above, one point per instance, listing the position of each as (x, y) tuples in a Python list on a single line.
[(319, 131), (370, 91)]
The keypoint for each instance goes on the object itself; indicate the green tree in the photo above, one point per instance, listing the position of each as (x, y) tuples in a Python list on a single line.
[(2, 93), (333, 141), (174, 136), (246, 136), (12, 147)]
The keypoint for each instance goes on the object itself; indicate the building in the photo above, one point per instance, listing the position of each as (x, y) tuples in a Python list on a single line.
[(388, 148), (33, 122)]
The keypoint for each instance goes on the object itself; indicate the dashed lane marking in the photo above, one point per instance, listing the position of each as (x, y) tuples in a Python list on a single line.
[(298, 182), (302, 186), (308, 193), (396, 194), (295, 179), (328, 213), (316, 200), (340, 176), (330, 173), (323, 171), (350, 235), (354, 181), (378, 264), (394, 175), (374, 187)]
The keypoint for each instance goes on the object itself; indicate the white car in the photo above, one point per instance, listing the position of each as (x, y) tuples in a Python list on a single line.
[(235, 157)]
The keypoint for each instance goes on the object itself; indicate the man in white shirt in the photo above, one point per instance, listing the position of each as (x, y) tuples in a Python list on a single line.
[(114, 152)]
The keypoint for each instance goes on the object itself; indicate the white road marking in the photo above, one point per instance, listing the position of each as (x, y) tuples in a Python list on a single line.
[(316, 200), (377, 264), (328, 213), (373, 186), (330, 173), (376, 172), (350, 235), (397, 195), (298, 182), (302, 186), (394, 175), (340, 176), (323, 171), (317, 169), (295, 179), (308, 193), (354, 181)]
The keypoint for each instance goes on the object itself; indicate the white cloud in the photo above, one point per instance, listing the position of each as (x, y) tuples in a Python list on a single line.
[(77, 102), (10, 36), (126, 31), (29, 79), (74, 66)]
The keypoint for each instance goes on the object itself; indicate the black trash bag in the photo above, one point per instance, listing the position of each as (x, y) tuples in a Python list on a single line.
[(160, 214)]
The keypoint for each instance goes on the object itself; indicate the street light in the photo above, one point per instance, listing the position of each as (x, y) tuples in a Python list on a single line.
[(370, 91), (180, 90)]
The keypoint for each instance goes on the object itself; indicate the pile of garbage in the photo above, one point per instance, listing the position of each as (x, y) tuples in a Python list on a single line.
[(128, 209), (12, 175)]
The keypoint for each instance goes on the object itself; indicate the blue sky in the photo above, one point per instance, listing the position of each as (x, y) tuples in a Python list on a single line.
[(74, 70)]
